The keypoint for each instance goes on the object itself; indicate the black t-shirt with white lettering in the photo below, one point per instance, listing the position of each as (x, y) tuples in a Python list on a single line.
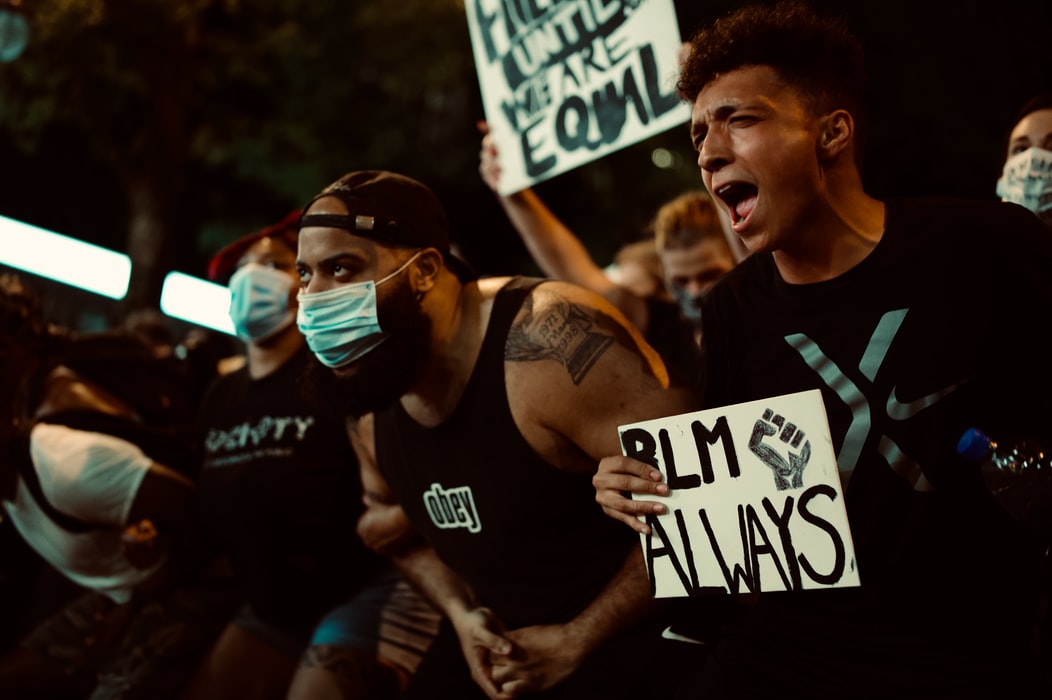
[(280, 493)]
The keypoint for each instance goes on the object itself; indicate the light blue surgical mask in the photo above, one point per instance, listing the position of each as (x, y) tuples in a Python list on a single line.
[(341, 324), (689, 306), (259, 301)]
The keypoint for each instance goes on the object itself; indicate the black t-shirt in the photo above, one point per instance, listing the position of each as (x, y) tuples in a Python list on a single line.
[(934, 332), (280, 493)]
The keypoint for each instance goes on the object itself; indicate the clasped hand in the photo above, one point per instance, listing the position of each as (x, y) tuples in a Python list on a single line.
[(510, 664)]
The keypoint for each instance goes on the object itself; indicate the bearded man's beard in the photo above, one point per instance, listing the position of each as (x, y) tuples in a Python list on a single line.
[(380, 377)]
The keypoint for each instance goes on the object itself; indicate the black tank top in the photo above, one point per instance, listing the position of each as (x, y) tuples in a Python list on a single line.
[(528, 537)]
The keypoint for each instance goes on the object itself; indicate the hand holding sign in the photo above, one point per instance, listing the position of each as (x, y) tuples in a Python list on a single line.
[(489, 165), (617, 478)]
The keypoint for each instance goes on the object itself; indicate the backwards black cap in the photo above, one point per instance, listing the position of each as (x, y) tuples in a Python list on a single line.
[(391, 209)]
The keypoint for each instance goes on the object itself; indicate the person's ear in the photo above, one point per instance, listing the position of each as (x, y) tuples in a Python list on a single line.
[(425, 271), (836, 131)]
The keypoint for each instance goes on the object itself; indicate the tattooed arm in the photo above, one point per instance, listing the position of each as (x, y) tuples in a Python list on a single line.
[(576, 370), (617, 379)]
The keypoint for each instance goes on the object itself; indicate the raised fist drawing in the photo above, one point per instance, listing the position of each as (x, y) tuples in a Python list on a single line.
[(787, 474)]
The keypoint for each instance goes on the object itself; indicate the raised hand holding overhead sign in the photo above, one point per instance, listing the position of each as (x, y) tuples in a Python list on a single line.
[(565, 82)]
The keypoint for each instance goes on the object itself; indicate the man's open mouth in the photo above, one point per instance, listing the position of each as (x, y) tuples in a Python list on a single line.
[(740, 198)]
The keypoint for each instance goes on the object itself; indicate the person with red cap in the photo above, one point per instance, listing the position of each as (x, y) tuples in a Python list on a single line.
[(280, 496)]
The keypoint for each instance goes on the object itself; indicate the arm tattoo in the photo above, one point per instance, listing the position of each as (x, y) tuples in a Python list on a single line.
[(565, 332)]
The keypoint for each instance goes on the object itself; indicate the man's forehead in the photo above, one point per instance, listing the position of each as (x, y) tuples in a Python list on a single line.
[(714, 96), (744, 85), (266, 248), (318, 244), (713, 106), (268, 244), (705, 253)]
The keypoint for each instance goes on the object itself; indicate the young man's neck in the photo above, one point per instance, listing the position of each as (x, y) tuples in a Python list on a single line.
[(847, 225)]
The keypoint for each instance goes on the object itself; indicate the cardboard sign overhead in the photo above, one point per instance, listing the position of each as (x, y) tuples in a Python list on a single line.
[(565, 82)]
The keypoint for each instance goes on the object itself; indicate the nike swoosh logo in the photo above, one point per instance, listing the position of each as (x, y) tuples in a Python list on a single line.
[(667, 633)]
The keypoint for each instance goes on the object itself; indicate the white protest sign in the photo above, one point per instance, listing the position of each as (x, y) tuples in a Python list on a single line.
[(565, 82), (756, 502)]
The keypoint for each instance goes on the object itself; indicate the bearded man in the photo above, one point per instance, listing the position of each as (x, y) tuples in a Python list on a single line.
[(481, 400)]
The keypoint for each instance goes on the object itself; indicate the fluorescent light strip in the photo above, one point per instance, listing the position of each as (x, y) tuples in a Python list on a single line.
[(64, 259), (103, 271), (197, 301)]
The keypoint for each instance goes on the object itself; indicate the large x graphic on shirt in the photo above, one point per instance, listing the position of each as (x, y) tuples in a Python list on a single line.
[(862, 407)]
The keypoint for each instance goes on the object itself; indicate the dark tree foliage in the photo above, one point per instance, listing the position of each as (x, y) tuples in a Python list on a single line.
[(166, 129)]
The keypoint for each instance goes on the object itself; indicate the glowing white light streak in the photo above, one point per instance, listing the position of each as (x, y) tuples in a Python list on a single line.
[(198, 301), (64, 259)]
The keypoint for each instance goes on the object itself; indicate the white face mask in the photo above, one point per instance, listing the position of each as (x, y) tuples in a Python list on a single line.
[(1027, 180), (259, 301), (341, 324)]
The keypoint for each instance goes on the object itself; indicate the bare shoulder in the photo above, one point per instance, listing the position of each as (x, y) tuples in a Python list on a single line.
[(489, 286), (573, 327), (575, 370)]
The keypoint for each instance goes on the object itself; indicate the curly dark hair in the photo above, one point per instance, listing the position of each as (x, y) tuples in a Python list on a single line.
[(819, 57)]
